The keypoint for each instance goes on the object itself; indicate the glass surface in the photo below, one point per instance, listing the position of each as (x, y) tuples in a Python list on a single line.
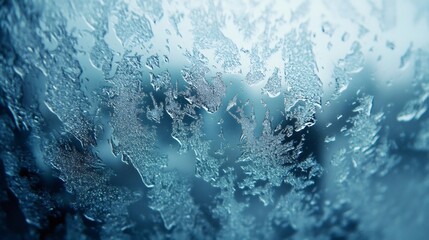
[(148, 119)]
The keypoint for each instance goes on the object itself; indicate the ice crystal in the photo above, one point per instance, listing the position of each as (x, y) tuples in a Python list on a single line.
[(214, 120)]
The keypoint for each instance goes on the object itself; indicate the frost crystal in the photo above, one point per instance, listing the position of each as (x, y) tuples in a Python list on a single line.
[(214, 120)]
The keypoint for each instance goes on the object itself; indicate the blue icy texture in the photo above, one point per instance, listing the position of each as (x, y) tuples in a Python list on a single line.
[(214, 120)]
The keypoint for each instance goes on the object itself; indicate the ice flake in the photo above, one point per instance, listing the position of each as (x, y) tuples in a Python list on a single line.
[(152, 62), (304, 88), (273, 86), (133, 29)]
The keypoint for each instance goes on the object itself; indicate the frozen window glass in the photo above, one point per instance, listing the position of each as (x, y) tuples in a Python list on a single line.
[(150, 119)]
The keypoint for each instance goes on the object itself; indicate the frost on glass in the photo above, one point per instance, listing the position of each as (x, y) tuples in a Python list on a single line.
[(143, 119)]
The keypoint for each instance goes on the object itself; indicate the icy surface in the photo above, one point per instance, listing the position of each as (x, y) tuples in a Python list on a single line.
[(146, 119)]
